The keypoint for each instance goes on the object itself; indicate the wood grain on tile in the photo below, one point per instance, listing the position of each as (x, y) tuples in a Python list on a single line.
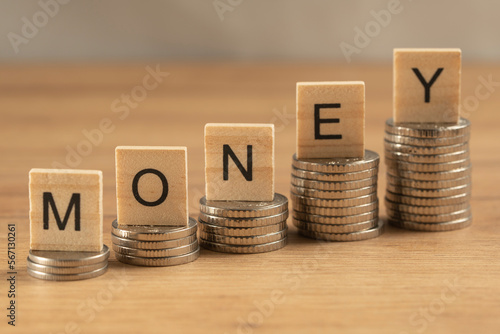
[(330, 119), (427, 85), (151, 185), (66, 210), (239, 162)]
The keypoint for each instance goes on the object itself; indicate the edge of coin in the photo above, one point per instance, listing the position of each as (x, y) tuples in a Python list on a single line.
[(44, 258)]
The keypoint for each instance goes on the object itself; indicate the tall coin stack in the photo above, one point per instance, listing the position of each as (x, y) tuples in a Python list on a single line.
[(243, 227), (67, 265), (336, 199), (155, 246), (428, 175)]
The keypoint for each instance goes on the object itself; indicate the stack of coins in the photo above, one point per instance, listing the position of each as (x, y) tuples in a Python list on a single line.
[(67, 266), (428, 176), (243, 227), (336, 199), (155, 246)]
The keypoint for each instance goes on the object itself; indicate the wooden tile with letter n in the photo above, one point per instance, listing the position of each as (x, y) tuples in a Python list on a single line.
[(427, 85), (330, 119), (151, 185), (65, 210), (239, 162)]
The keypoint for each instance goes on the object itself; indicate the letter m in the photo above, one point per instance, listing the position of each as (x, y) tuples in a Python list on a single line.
[(48, 200)]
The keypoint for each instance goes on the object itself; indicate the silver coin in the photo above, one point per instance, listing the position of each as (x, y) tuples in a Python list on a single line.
[(424, 150), (354, 236), (350, 210), (242, 231), (428, 130), (338, 165), (67, 277), (333, 186), (246, 249), (153, 244), (65, 270), (427, 142), (335, 220), (251, 240), (243, 222), (69, 258), (433, 227), (336, 177), (442, 218), (153, 233), (436, 176), (422, 201), (346, 228), (158, 261), (182, 250), (333, 203), (332, 194), (244, 209), (443, 192), (425, 210), (426, 168), (428, 159), (402, 182)]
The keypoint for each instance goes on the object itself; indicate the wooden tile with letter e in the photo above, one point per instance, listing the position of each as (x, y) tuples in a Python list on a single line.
[(239, 162), (330, 119), (427, 85), (151, 185), (65, 210)]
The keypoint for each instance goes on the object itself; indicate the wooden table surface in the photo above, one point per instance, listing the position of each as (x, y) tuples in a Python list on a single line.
[(401, 282)]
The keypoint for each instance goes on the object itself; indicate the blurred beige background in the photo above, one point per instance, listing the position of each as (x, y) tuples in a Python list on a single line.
[(54, 30)]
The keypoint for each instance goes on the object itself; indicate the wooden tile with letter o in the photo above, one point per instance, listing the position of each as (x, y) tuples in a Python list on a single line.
[(239, 162), (151, 185), (66, 210), (330, 119), (427, 85)]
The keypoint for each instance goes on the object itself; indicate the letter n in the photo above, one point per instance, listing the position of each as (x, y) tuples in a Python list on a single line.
[(228, 152)]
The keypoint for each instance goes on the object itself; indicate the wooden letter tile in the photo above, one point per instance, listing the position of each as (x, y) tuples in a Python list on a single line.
[(330, 119), (66, 210), (427, 85), (239, 162), (151, 185)]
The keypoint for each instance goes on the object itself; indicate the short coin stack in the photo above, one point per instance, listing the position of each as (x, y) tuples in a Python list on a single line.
[(428, 176), (336, 199), (67, 265), (243, 227), (155, 246)]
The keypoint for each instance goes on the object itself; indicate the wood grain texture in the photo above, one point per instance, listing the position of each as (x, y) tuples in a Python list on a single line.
[(374, 286)]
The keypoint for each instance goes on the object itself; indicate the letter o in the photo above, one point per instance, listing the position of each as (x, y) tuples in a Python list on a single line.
[(372, 32), (135, 184), (437, 307), (139, 93), (40, 19), (256, 318)]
